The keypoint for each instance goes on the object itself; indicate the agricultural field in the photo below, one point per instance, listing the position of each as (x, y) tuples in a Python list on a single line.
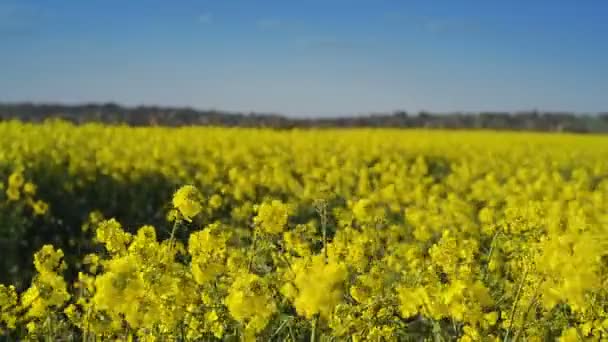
[(202, 234)]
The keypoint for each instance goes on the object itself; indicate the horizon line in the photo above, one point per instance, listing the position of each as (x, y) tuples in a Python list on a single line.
[(130, 106)]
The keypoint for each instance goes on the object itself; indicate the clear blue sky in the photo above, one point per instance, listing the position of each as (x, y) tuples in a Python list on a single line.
[(313, 57)]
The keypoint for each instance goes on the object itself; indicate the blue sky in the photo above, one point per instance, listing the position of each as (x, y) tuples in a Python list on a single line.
[(308, 57)]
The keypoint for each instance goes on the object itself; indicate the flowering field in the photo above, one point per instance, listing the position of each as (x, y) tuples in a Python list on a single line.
[(318, 235)]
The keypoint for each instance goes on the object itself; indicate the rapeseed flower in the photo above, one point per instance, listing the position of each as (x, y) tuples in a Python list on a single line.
[(272, 217), (250, 302), (187, 200), (320, 287)]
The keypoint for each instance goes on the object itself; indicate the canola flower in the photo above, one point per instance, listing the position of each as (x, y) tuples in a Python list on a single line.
[(354, 235), (21, 191), (187, 201), (8, 305), (250, 302), (319, 287), (272, 217)]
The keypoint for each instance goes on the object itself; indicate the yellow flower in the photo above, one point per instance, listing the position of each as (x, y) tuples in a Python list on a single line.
[(49, 259), (120, 290), (13, 193), (413, 300), (187, 200), (491, 318), (8, 306), (217, 327), (29, 188), (208, 251), (111, 234), (250, 302), (362, 210), (359, 293), (569, 335), (16, 180), (272, 217), (470, 334), (320, 287), (215, 201), (48, 290), (40, 207), (92, 261)]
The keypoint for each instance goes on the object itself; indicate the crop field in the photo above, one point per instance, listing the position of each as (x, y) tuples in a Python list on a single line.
[(203, 234)]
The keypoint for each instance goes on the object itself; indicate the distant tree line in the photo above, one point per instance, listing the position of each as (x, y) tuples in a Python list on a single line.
[(111, 113)]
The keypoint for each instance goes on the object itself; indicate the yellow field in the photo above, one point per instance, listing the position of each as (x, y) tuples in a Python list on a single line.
[(345, 235)]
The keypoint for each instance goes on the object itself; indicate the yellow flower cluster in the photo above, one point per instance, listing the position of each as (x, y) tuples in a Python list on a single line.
[(319, 287), (250, 302), (272, 217), (48, 292), (187, 201), (8, 305), (354, 235), (20, 190)]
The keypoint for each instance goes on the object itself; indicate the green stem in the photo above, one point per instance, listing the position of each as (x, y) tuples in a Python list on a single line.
[(313, 333), (279, 328), (49, 337), (322, 211), (291, 335), (175, 226), (514, 308), (325, 244), (253, 247), (485, 275)]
